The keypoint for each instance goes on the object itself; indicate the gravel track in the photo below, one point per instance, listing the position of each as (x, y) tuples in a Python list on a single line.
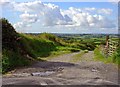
[(83, 72)]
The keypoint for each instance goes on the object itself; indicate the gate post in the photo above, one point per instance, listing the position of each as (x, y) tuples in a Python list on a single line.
[(107, 46)]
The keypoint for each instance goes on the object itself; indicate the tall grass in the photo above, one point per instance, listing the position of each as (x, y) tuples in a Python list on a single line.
[(37, 47), (99, 56), (21, 49), (33, 47), (116, 56), (26, 50), (12, 59)]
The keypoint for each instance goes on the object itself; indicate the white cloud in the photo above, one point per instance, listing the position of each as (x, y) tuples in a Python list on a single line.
[(51, 15), (116, 1), (105, 11), (4, 2), (86, 19), (1, 1), (27, 20), (28, 6), (19, 25), (90, 9), (30, 18)]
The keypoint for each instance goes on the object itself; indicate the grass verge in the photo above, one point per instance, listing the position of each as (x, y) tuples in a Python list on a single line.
[(77, 57), (98, 56)]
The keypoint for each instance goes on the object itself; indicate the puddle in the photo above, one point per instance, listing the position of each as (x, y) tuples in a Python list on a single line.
[(47, 73), (21, 75)]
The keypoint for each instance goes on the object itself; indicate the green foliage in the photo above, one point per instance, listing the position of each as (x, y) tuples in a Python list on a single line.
[(115, 58), (13, 54), (22, 49), (12, 59), (9, 35), (51, 37), (86, 51), (98, 55), (85, 43), (67, 49), (38, 47), (74, 50)]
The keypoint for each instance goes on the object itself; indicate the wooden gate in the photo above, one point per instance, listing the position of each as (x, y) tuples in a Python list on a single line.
[(111, 46)]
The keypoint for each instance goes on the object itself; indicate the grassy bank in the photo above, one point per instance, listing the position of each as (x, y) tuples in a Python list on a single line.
[(30, 48), (116, 57), (22, 49), (99, 56)]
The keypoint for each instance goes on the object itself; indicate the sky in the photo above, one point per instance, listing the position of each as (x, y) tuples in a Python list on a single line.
[(35, 16)]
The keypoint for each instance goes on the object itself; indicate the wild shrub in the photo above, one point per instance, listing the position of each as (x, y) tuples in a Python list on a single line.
[(13, 53)]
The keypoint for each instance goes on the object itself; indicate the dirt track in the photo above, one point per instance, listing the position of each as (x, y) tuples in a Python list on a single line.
[(60, 71)]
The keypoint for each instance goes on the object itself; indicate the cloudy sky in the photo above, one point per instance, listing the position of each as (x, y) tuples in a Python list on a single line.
[(35, 16)]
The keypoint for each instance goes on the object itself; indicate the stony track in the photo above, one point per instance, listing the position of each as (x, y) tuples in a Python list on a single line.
[(60, 71)]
